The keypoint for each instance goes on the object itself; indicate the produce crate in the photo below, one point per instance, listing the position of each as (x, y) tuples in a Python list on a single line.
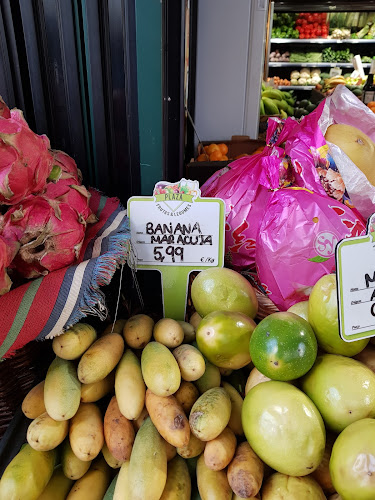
[(238, 145)]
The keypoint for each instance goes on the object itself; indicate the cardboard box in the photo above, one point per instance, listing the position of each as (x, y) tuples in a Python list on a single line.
[(238, 145)]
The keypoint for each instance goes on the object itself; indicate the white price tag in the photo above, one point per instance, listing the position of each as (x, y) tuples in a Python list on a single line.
[(174, 232), (355, 266)]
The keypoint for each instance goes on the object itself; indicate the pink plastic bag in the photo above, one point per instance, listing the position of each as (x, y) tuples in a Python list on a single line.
[(296, 242), (325, 168), (245, 185)]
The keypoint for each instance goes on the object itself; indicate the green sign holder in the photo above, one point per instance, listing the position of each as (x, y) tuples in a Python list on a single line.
[(175, 232), (355, 274)]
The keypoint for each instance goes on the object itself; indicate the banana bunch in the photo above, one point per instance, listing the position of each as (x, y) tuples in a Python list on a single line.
[(331, 83), (276, 102)]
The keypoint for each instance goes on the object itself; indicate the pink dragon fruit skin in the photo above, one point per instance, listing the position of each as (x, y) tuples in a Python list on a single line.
[(4, 110), (50, 234), (8, 250), (66, 190), (67, 165), (25, 157)]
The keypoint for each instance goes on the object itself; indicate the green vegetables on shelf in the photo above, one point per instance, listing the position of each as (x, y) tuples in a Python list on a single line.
[(364, 31), (352, 20), (310, 57), (284, 25), (284, 19), (284, 32), (331, 55)]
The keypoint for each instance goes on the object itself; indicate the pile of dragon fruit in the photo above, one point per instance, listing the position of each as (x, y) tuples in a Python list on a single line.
[(45, 207)]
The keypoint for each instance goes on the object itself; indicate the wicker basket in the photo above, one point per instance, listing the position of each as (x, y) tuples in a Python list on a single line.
[(265, 305), (19, 374), (29, 365)]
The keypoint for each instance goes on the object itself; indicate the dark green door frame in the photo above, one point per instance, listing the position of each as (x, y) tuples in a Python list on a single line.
[(160, 66)]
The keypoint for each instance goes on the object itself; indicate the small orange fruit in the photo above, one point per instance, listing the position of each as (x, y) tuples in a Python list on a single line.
[(224, 158), (203, 157), (211, 148), (216, 156), (223, 148)]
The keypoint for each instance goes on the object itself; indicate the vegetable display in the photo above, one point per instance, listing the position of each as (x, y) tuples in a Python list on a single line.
[(305, 77), (284, 26), (333, 25), (331, 55), (312, 25), (277, 56), (310, 57)]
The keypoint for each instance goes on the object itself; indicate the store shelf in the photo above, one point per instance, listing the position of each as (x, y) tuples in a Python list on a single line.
[(319, 40), (313, 65), (296, 87)]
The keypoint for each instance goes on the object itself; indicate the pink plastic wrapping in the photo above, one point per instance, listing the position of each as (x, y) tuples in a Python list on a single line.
[(245, 185), (296, 242), (325, 168)]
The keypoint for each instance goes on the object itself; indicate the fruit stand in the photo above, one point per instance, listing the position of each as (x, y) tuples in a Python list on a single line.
[(211, 340), (228, 400)]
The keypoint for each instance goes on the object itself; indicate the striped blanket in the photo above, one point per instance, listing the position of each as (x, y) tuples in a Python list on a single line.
[(47, 306)]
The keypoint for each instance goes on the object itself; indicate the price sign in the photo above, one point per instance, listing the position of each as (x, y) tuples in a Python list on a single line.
[(176, 231), (355, 267)]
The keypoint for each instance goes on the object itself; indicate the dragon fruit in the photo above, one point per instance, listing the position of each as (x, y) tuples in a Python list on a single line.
[(45, 227), (25, 157), (8, 250), (50, 231), (68, 190), (64, 167)]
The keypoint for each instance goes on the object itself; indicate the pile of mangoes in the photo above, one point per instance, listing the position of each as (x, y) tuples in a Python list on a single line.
[(141, 399)]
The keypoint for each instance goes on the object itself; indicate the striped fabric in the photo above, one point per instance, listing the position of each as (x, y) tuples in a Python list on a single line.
[(45, 307)]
